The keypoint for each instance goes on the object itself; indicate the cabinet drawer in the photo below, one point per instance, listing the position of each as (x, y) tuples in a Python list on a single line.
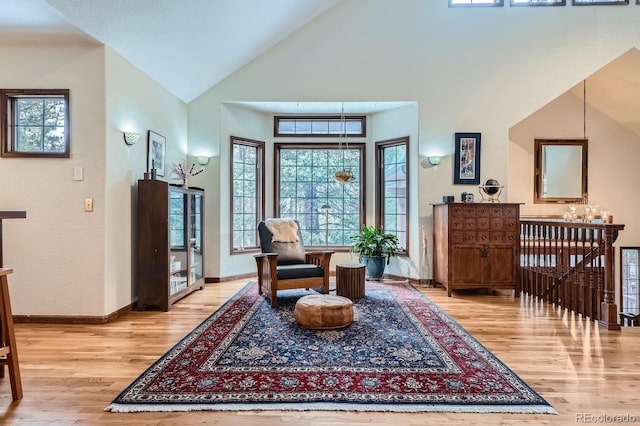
[(484, 236), (470, 224), (497, 236), (457, 223), (496, 210), (510, 224), (510, 211), (483, 211), (470, 237), (457, 237), (497, 223), (484, 223), (470, 211), (457, 211), (511, 236)]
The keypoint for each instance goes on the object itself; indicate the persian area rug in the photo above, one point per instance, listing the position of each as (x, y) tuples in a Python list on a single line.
[(401, 354)]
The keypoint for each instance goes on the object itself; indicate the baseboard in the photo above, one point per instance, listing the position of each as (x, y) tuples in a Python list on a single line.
[(73, 319), (208, 280)]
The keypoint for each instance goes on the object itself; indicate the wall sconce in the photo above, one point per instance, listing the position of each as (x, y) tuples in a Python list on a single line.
[(202, 160), (434, 160), (131, 138)]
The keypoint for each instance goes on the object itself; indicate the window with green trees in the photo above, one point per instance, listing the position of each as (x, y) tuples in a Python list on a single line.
[(35, 122), (247, 197), (392, 201), (329, 212)]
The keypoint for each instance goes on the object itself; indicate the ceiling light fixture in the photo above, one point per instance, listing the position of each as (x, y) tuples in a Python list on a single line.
[(345, 175)]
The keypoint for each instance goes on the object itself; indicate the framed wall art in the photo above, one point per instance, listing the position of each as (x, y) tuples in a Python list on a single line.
[(156, 152), (467, 159)]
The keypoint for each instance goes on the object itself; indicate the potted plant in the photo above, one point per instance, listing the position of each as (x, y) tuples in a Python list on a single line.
[(375, 249)]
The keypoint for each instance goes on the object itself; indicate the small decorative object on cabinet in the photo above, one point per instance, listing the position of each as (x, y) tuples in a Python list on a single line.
[(476, 245), (492, 189), (170, 236)]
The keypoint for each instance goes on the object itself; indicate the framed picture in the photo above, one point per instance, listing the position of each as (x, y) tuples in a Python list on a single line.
[(467, 159), (155, 152)]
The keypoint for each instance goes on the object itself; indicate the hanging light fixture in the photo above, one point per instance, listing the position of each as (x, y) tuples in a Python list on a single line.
[(345, 175)]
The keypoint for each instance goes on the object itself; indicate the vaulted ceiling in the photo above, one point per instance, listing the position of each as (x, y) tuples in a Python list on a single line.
[(188, 46)]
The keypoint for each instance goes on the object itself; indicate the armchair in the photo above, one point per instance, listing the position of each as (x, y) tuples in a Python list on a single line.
[(284, 264)]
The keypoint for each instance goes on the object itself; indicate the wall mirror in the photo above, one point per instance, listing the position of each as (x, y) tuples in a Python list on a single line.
[(560, 171)]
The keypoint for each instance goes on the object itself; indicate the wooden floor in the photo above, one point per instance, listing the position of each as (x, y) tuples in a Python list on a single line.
[(70, 373)]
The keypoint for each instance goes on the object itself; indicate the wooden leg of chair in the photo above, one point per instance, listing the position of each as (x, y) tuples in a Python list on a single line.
[(10, 340)]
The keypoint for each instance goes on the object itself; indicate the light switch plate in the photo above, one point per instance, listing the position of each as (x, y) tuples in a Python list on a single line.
[(78, 173)]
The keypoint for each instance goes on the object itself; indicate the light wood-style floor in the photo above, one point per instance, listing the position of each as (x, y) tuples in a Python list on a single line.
[(70, 373)]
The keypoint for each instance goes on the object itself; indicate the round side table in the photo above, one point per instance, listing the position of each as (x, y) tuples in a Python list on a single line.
[(350, 280)]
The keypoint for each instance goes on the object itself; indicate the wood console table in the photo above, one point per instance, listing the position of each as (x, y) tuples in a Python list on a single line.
[(16, 214)]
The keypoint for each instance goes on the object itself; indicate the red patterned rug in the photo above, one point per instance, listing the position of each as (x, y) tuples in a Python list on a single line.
[(401, 353)]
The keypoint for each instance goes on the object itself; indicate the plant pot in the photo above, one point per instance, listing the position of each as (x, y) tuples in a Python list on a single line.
[(375, 266)]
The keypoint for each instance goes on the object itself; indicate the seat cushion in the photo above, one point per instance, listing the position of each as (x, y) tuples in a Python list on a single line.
[(324, 312), (304, 270)]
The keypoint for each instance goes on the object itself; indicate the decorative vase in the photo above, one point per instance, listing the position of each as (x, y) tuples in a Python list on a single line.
[(375, 266)]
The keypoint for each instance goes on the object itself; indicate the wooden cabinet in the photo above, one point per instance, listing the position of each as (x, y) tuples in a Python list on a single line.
[(476, 245), (169, 243)]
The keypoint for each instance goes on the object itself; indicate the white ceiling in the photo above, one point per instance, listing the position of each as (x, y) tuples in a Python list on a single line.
[(186, 46)]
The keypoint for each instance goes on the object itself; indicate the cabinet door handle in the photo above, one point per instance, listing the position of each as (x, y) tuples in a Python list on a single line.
[(484, 251)]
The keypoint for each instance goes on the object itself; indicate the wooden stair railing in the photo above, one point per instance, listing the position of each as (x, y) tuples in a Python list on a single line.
[(571, 265)]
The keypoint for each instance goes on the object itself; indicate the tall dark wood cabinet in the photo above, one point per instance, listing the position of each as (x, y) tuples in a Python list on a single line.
[(170, 250), (476, 245)]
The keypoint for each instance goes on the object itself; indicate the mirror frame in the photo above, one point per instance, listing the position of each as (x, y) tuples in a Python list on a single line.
[(537, 177)]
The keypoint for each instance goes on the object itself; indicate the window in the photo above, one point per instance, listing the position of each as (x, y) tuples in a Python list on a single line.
[(329, 212), (599, 2), (247, 196), (630, 275), (331, 126), (35, 123), (456, 3), (392, 209), (538, 2)]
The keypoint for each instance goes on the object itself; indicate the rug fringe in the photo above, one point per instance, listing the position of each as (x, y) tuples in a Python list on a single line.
[(395, 408)]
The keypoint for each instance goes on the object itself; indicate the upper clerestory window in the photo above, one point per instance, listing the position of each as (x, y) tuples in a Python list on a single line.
[(538, 2), (456, 3), (320, 126)]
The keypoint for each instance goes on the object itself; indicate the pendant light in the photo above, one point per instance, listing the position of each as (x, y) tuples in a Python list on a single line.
[(345, 175)]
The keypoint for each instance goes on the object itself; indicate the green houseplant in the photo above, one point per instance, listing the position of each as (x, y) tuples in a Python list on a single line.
[(375, 249)]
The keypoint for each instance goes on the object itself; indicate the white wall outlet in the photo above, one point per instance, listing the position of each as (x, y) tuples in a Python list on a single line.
[(88, 204)]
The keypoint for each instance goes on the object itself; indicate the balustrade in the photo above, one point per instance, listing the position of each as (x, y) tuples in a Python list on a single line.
[(571, 265)]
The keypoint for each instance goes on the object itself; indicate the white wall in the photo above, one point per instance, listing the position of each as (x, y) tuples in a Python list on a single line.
[(391, 124), (134, 103), (68, 262), (612, 163), (469, 69), (248, 124), (57, 252)]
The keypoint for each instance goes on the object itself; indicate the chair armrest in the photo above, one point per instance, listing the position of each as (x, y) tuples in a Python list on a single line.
[(266, 257), (266, 263), (320, 258)]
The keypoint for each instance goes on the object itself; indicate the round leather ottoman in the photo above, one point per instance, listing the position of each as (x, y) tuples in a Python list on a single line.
[(324, 312)]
